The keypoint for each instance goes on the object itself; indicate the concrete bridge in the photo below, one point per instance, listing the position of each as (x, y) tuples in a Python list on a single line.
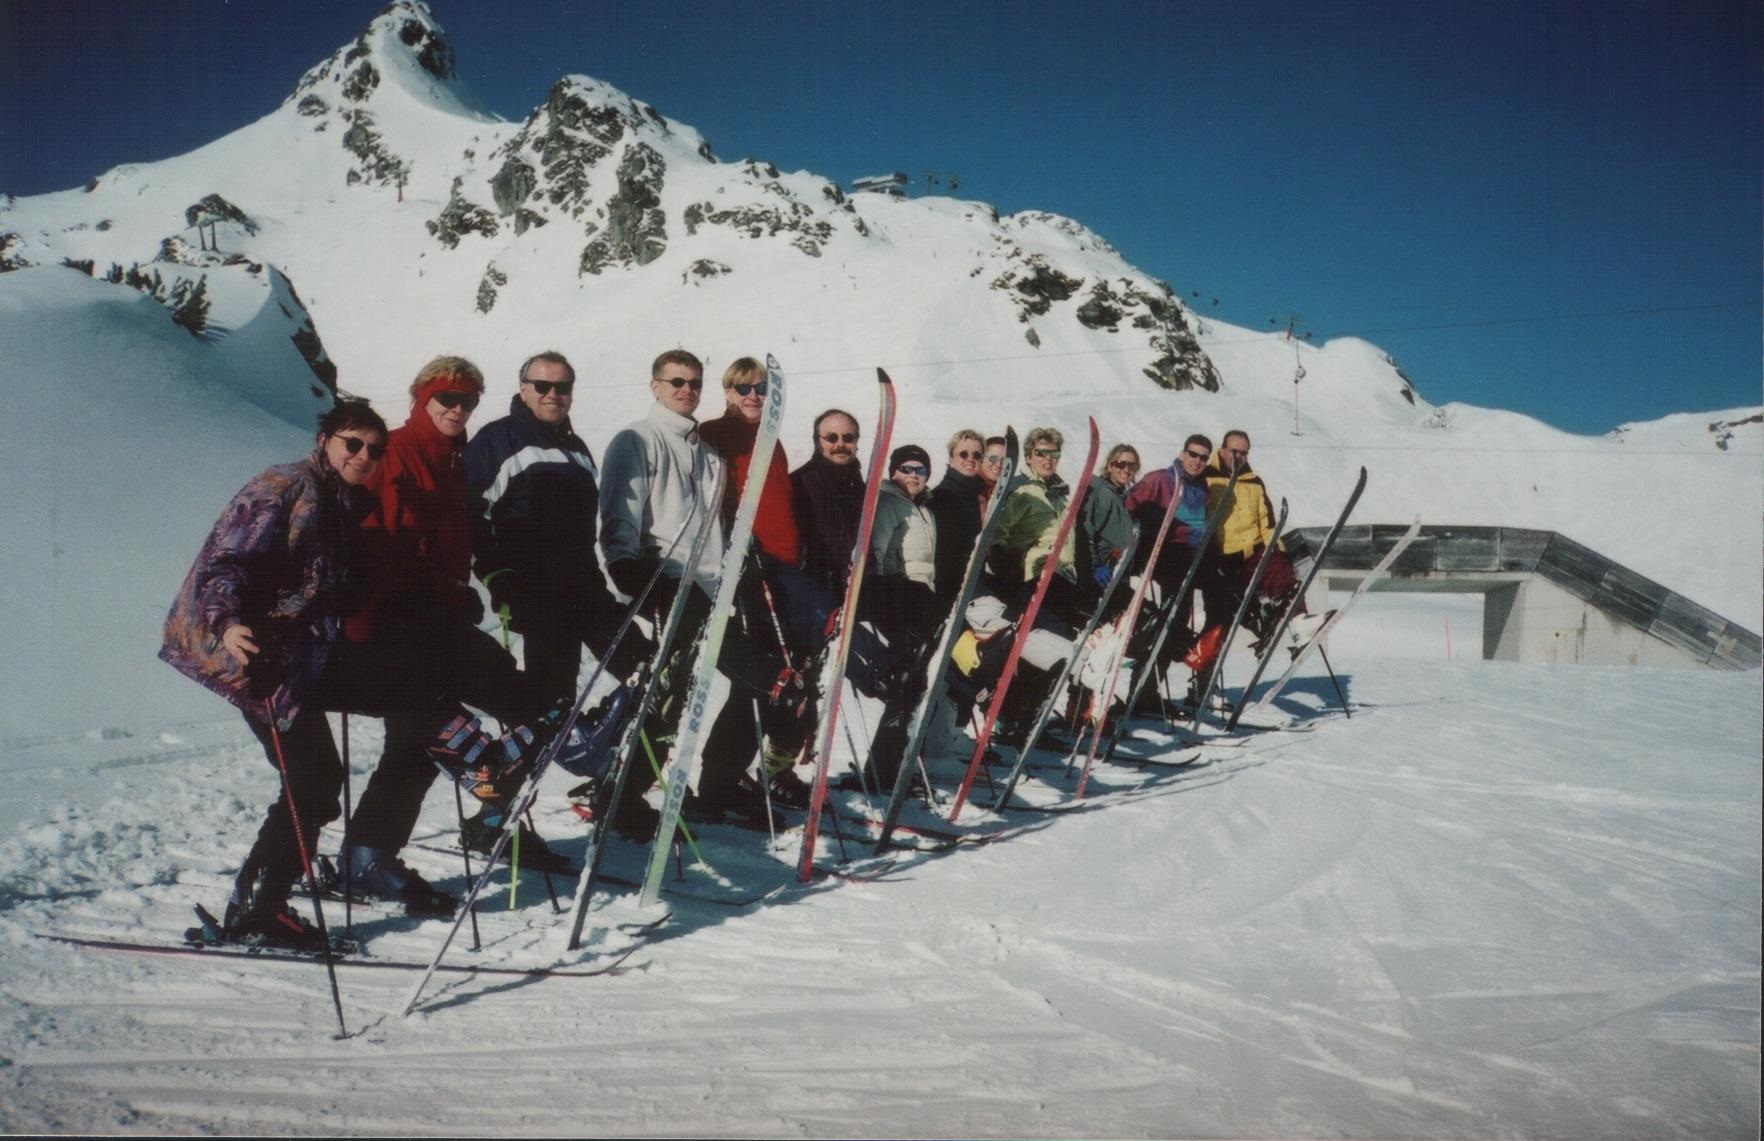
[(1546, 598)]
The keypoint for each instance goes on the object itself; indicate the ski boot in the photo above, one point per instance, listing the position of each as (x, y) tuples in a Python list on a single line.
[(375, 874)]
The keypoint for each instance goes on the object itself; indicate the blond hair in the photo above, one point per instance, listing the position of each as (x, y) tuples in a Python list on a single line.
[(457, 369)]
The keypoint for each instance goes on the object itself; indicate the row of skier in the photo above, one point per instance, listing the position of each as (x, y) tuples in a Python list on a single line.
[(342, 582)]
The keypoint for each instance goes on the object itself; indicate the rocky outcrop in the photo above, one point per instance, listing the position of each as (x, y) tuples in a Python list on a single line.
[(636, 229), (214, 208), (460, 217), (488, 285), (375, 161)]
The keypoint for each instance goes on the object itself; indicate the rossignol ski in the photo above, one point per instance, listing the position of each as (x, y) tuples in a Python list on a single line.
[(710, 642), (952, 629), (1026, 624), (1078, 651), (1216, 668), (1298, 598), (1372, 578), (649, 682), (1167, 613), (833, 674), (530, 788)]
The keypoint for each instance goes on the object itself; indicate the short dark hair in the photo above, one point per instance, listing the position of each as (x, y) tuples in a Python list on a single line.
[(675, 356), (549, 356), (1197, 438), (1234, 432), (352, 413), (999, 440), (834, 412)]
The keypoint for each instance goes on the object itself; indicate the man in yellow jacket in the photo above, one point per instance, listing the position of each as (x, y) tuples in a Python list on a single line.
[(1246, 532)]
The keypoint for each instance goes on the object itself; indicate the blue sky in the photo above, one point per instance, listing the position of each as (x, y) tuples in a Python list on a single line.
[(1547, 206)]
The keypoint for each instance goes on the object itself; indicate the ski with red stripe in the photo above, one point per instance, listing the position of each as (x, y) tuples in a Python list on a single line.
[(833, 675), (1026, 624)]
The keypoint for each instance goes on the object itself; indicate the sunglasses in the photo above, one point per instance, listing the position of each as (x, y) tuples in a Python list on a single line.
[(750, 389), (913, 469), (1199, 456), (839, 437), (966, 455), (678, 381), (466, 400), (1125, 465), (994, 461), (354, 444), (1238, 451), (547, 387), (1046, 453)]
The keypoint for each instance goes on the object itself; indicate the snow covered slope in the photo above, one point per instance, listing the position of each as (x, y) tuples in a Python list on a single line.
[(380, 217)]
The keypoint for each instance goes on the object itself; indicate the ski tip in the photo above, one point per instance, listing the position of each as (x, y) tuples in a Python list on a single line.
[(883, 378), (772, 363)]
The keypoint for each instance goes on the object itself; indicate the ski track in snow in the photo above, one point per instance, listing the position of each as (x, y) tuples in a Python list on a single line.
[(1529, 910)]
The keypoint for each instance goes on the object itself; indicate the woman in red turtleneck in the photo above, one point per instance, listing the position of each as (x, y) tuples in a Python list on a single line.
[(421, 626)]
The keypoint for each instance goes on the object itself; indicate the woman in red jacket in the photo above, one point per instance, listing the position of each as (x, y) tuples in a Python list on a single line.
[(422, 626)]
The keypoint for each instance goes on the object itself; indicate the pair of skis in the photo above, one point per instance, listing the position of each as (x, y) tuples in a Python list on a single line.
[(1167, 617), (952, 627), (1026, 624)]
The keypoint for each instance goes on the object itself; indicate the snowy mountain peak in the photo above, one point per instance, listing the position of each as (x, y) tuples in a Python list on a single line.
[(403, 49)]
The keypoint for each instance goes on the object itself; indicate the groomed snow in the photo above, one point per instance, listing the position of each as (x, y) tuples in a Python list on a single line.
[(1501, 900)]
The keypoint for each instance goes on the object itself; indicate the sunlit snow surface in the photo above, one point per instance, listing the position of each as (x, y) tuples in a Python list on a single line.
[(1499, 901)]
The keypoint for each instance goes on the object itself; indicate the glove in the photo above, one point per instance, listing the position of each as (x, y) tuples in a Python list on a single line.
[(1102, 575), (632, 575), (470, 603)]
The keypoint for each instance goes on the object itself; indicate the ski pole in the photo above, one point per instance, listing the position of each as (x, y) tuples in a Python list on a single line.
[(544, 871), (466, 855), (655, 766), (348, 872), (318, 910), (1333, 680)]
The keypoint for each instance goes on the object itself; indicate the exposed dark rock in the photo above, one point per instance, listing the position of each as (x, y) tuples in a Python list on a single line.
[(764, 222), (189, 305), (361, 82), (704, 267), (1036, 288), (492, 280), (636, 229), (10, 257), (512, 185), (84, 265), (311, 105), (1181, 362), (214, 208), (103, 225), (460, 217), (432, 52), (1032, 337), (311, 349), (178, 252), (1102, 310), (377, 163)]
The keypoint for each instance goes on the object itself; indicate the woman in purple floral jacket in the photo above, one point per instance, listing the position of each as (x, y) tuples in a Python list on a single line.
[(257, 620)]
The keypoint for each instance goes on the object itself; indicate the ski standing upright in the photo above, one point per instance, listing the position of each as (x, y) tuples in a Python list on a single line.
[(1297, 598), (1079, 649), (649, 684), (710, 642), (1166, 622), (952, 628), (1027, 623), (833, 675)]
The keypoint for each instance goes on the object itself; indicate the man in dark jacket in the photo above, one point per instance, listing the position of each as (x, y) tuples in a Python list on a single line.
[(827, 494), (532, 493)]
